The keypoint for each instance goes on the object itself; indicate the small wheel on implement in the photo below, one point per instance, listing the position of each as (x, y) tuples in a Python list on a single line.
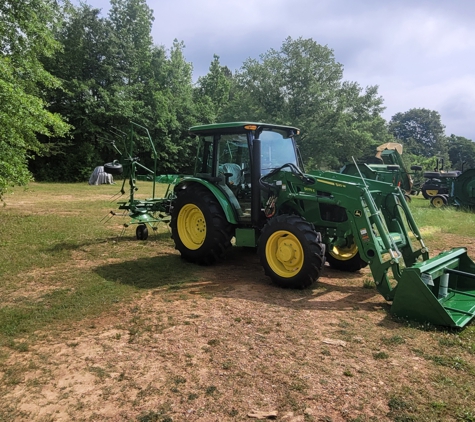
[(407, 198), (291, 252), (113, 168), (141, 232), (439, 201), (345, 258)]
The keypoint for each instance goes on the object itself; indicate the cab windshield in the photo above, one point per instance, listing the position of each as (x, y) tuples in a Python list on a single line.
[(276, 150)]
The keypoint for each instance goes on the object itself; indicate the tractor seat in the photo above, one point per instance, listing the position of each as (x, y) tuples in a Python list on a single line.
[(235, 171)]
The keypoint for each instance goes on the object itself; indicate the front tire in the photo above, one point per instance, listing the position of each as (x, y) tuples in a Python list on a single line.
[(439, 201), (291, 252), (199, 227), (345, 258)]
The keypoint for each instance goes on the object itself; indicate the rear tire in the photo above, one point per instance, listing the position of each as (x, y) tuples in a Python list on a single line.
[(199, 227), (345, 258), (291, 252), (428, 193)]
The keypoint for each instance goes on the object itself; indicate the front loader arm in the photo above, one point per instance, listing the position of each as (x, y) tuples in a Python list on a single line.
[(439, 290)]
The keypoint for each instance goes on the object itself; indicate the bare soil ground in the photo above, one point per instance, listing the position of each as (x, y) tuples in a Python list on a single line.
[(231, 346)]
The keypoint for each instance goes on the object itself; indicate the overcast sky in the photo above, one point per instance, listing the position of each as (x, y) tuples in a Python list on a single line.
[(420, 53)]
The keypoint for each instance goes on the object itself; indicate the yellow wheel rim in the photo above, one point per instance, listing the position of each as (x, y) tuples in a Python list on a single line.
[(191, 225), (432, 192), (344, 253), (284, 254), (437, 202)]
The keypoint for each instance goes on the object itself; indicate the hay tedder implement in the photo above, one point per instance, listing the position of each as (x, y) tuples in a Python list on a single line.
[(249, 185), (145, 213)]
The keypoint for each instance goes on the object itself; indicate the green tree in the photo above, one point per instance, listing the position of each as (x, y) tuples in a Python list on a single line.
[(83, 98), (26, 34), (421, 131), (461, 152), (301, 84), (175, 89), (212, 92), (106, 68), (114, 75)]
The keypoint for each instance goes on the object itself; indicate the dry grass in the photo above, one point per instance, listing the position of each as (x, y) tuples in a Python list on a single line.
[(115, 329)]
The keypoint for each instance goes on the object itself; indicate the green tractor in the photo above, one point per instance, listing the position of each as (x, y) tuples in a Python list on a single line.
[(438, 182), (390, 168), (460, 192), (249, 185), (249, 188)]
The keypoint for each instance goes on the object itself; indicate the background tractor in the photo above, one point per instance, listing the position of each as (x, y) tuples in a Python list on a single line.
[(460, 192), (438, 181), (388, 167), (249, 187)]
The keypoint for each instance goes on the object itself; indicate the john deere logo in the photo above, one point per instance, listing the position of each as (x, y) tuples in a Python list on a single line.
[(358, 213)]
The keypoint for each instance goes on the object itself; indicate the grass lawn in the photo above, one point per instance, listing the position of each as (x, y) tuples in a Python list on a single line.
[(97, 325)]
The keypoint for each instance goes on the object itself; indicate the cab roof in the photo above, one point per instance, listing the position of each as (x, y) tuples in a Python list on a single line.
[(236, 127)]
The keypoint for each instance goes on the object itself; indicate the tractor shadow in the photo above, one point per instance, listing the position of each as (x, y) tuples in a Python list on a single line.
[(241, 277), (125, 238)]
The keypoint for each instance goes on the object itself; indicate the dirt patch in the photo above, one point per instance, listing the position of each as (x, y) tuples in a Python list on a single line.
[(229, 347)]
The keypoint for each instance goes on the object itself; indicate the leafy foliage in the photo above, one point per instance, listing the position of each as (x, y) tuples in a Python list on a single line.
[(212, 94), (102, 73), (301, 84), (113, 75), (25, 35), (461, 152), (422, 132)]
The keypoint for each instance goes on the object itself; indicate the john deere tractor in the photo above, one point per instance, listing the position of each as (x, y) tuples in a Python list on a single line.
[(438, 182), (249, 185), (460, 192)]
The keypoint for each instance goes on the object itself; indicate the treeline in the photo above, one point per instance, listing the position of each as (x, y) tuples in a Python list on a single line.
[(72, 80)]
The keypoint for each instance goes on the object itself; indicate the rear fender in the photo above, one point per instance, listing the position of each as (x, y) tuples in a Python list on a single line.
[(228, 208)]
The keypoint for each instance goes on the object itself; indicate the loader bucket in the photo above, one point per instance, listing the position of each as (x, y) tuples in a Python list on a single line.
[(440, 291)]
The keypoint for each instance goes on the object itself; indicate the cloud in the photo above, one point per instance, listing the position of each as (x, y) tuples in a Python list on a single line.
[(420, 54)]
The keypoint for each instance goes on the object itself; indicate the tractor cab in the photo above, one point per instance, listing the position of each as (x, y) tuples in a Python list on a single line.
[(226, 157)]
